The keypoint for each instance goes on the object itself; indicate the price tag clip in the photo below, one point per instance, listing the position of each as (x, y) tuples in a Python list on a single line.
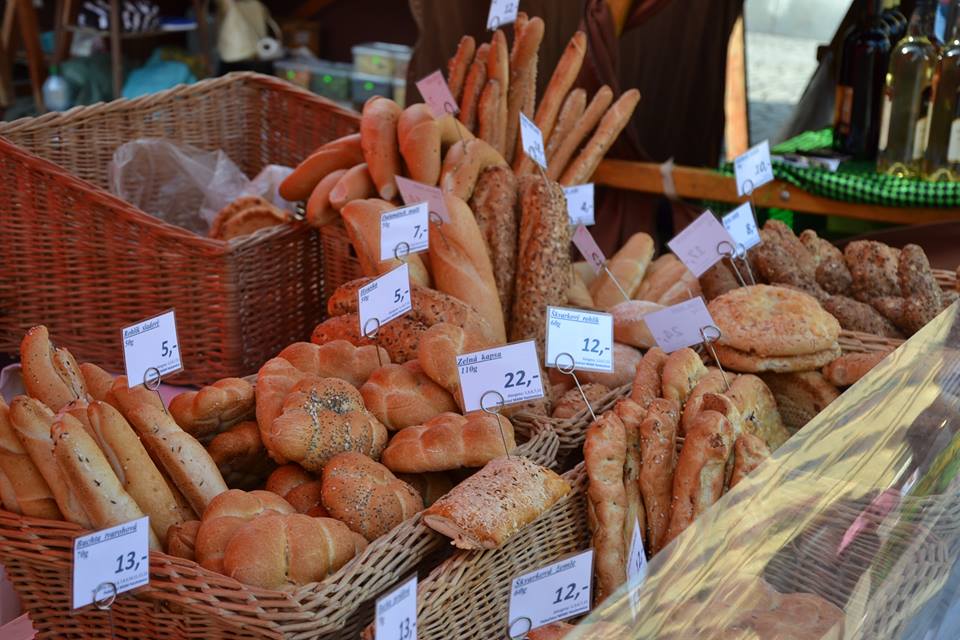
[(710, 334), (495, 412), (569, 370), (370, 330)]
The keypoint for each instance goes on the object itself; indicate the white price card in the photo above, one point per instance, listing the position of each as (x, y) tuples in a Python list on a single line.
[(753, 168), (636, 566), (384, 299), (700, 244), (585, 337), (111, 561), (742, 226), (502, 12), (436, 93), (512, 371), (555, 592), (589, 248), (413, 192), (404, 231), (532, 140), (151, 344), (679, 326), (397, 613), (580, 203)]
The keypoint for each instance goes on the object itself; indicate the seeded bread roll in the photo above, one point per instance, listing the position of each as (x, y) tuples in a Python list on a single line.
[(494, 204)]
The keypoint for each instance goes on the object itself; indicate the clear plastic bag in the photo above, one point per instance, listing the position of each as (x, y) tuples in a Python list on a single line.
[(184, 185)]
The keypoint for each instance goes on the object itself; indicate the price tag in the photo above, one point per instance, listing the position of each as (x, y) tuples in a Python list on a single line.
[(532, 140), (18, 629), (118, 556), (555, 592), (588, 248), (408, 226), (151, 344), (698, 246), (397, 613), (436, 93), (753, 168), (636, 566), (580, 204), (512, 370), (585, 336), (502, 12), (384, 299), (679, 326), (413, 192), (742, 226)]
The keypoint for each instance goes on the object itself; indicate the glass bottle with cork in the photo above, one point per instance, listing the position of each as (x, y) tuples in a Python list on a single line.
[(942, 157)]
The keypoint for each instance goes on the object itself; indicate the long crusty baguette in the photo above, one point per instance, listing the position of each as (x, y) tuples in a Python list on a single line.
[(378, 139), (570, 114), (658, 437), (462, 166), (562, 80), (498, 68), (362, 221), (356, 183), (419, 136), (523, 77), (462, 266), (543, 258), (50, 375), (610, 127), (601, 101), (214, 408), (450, 441), (604, 455), (632, 416), (319, 210), (31, 419), (342, 153), (488, 117), (494, 205), (134, 469), (438, 351), (189, 465), (33, 495), (476, 80), (458, 65), (83, 465)]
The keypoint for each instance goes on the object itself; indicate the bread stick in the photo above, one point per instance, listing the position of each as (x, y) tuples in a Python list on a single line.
[(488, 116), (319, 211), (570, 114), (604, 454), (498, 68), (658, 438), (523, 77), (476, 79), (33, 495), (585, 125), (458, 65), (339, 154), (378, 140), (610, 127), (50, 375)]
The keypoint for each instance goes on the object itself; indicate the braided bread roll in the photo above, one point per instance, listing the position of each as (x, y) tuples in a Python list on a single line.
[(214, 408), (298, 487), (438, 351), (402, 395), (336, 359), (450, 441), (33, 495), (227, 513), (240, 456)]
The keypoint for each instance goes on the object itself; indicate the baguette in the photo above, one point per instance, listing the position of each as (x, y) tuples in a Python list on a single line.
[(565, 74), (458, 65), (570, 114), (523, 78), (627, 266), (83, 465), (362, 221), (498, 69), (342, 153), (631, 414), (462, 266), (50, 375), (33, 495), (378, 139), (188, 464), (214, 408), (612, 123), (462, 166), (402, 396), (355, 184), (319, 210), (658, 438), (601, 101), (473, 85), (399, 338), (419, 137), (494, 205), (450, 441), (488, 117), (32, 421), (604, 455)]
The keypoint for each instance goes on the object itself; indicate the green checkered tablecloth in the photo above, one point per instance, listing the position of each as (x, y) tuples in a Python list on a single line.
[(858, 181)]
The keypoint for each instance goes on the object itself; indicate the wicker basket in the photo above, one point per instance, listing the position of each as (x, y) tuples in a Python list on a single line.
[(185, 600), (87, 263), (858, 342), (340, 264)]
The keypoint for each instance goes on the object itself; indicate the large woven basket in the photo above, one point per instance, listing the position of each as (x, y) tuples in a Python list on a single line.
[(340, 263), (86, 263), (185, 600)]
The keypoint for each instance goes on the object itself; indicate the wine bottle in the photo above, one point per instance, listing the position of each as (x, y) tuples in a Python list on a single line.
[(866, 54), (906, 96), (895, 20), (942, 158)]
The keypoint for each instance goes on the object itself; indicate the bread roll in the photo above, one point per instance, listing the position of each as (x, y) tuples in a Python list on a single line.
[(748, 452), (571, 402), (430, 486), (282, 551), (185, 460), (419, 136), (362, 221), (341, 153), (214, 408), (181, 540), (450, 441), (628, 266), (97, 381), (83, 466), (629, 326), (33, 495), (378, 140), (604, 455), (494, 204), (227, 513), (240, 456), (647, 382), (658, 437), (681, 373), (32, 421), (489, 507), (320, 211), (336, 359), (632, 415), (299, 487), (127, 399), (625, 361), (365, 496), (402, 396), (437, 355), (849, 368), (758, 410), (399, 338), (660, 275), (50, 375)]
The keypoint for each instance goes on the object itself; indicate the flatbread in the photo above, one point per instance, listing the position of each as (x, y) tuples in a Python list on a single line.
[(744, 362), (764, 320)]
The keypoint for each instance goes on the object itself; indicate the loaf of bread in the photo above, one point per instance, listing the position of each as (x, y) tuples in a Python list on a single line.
[(629, 326), (658, 450), (494, 204), (362, 221), (437, 355), (83, 466), (365, 496), (450, 441), (399, 338), (402, 395), (628, 265), (213, 409), (489, 507), (50, 375), (181, 540), (298, 487), (336, 359), (227, 513), (33, 495), (283, 551), (604, 455), (97, 381), (240, 456)]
